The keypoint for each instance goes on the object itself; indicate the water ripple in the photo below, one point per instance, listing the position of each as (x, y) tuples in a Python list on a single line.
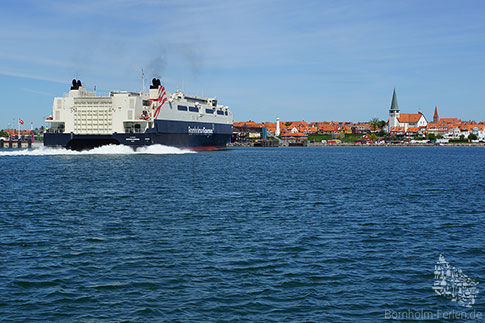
[(267, 235)]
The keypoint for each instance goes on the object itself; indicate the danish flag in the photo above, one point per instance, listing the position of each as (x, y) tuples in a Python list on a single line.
[(160, 100), (21, 121)]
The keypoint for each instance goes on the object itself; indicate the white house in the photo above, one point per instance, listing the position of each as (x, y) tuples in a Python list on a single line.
[(404, 120)]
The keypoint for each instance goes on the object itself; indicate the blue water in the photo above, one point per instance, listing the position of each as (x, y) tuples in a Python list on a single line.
[(272, 234)]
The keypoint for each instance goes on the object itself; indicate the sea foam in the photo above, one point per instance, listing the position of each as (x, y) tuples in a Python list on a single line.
[(103, 150)]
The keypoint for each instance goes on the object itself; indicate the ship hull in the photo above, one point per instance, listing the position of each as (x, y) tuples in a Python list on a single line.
[(192, 135)]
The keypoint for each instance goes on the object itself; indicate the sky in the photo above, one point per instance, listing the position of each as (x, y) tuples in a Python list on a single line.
[(296, 60)]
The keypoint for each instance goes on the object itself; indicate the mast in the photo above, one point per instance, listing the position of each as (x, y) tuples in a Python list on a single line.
[(142, 80)]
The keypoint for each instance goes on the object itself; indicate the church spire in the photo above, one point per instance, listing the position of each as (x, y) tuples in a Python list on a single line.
[(436, 118), (394, 106)]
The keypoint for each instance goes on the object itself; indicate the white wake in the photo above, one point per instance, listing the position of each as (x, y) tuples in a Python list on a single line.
[(103, 150)]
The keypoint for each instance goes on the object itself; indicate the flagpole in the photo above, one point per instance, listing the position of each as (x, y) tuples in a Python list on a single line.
[(18, 128)]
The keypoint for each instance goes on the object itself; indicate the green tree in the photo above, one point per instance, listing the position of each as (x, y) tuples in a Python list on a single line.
[(472, 137), (431, 136), (3, 133), (373, 136), (462, 137), (381, 124), (374, 123), (289, 123)]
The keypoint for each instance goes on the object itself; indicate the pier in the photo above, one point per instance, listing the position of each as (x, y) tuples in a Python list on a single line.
[(16, 143)]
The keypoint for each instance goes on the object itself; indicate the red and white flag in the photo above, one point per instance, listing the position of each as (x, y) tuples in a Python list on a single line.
[(21, 121), (161, 99)]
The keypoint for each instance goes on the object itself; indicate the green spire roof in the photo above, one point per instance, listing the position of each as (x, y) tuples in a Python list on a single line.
[(394, 106)]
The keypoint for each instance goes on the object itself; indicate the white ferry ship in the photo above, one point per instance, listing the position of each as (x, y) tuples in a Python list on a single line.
[(82, 120)]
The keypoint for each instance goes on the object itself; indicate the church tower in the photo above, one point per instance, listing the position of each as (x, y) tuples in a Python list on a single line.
[(436, 118), (394, 112)]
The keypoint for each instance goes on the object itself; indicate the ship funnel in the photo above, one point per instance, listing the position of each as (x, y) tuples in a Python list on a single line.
[(154, 89), (76, 84), (155, 83)]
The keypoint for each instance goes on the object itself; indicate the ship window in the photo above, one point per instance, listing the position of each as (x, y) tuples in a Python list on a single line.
[(225, 113), (182, 108), (193, 109), (220, 112), (209, 111)]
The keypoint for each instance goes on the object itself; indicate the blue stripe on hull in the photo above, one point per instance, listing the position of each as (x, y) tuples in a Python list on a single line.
[(182, 127), (165, 132)]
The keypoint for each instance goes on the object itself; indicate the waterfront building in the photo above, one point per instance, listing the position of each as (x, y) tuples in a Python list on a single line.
[(248, 129), (15, 132), (361, 127), (407, 121), (294, 137), (394, 112)]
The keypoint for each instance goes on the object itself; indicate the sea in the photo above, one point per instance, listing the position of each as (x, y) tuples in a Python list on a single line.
[(296, 234)]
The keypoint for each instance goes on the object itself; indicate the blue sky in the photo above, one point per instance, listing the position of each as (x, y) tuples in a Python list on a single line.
[(299, 60)]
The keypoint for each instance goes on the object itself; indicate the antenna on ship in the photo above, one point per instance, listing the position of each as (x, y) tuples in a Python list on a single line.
[(142, 80)]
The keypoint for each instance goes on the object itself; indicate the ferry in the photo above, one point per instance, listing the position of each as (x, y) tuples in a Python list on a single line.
[(83, 120)]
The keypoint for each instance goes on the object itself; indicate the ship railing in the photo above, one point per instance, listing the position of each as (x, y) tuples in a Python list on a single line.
[(51, 130)]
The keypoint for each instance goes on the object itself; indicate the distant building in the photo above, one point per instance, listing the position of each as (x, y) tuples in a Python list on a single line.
[(436, 117), (394, 112), (398, 120), (412, 120), (294, 137), (361, 127), (248, 129)]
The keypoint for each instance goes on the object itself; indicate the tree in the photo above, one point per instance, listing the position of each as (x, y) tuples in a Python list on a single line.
[(381, 124), (381, 133), (462, 137), (3, 133), (431, 136), (373, 136), (289, 123), (374, 123), (472, 136)]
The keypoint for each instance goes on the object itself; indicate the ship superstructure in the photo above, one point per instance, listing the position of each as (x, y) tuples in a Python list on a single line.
[(83, 120)]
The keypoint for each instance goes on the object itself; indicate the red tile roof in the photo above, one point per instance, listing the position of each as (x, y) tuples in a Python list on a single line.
[(409, 117), (413, 129)]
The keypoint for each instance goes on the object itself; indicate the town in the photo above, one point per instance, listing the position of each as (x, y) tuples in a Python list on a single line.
[(401, 128)]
